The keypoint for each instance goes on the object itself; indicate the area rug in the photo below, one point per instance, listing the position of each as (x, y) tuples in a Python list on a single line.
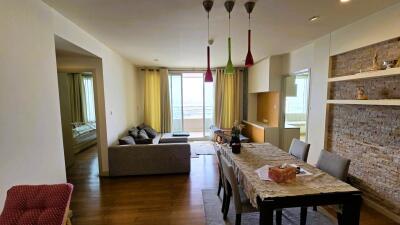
[(213, 215), (202, 147)]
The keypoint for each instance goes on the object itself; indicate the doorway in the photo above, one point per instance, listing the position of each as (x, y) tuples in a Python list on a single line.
[(192, 103), (296, 102)]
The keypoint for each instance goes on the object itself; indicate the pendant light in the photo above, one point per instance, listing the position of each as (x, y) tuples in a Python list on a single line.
[(208, 4), (229, 66), (249, 58)]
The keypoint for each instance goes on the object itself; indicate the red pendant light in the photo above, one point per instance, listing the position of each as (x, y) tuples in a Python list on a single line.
[(249, 58), (208, 77), (208, 4)]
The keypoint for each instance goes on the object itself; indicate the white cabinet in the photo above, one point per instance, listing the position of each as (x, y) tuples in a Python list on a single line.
[(265, 75)]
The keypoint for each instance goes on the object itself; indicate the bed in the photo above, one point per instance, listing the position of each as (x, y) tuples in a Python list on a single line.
[(84, 136)]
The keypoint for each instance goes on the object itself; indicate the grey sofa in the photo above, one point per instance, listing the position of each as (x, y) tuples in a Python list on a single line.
[(149, 159)]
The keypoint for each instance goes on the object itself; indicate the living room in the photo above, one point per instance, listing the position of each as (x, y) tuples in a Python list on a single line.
[(173, 86)]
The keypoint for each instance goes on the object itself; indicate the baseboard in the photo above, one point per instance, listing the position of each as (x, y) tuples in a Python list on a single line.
[(371, 203), (104, 173)]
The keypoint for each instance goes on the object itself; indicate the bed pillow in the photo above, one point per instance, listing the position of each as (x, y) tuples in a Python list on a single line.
[(150, 132), (128, 140), (134, 132)]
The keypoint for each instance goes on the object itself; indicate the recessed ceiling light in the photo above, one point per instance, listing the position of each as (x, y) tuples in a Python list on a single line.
[(314, 18), (344, 1)]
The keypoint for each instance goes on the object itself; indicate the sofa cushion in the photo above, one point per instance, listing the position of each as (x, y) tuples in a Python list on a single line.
[(150, 132), (134, 132), (128, 140), (142, 141), (168, 138)]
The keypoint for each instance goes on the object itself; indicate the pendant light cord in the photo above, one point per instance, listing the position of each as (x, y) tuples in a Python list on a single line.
[(208, 27), (249, 22), (229, 24)]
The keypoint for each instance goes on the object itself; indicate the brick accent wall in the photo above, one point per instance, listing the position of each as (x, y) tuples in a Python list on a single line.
[(368, 135), (361, 59)]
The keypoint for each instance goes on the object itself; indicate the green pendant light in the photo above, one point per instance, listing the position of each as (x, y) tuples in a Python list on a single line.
[(229, 66)]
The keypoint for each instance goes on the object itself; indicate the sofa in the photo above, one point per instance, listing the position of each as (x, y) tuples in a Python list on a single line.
[(149, 155)]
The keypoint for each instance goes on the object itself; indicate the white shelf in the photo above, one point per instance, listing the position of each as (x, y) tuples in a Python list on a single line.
[(366, 75), (388, 102)]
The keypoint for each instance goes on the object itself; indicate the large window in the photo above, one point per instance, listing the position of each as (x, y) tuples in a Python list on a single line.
[(192, 103)]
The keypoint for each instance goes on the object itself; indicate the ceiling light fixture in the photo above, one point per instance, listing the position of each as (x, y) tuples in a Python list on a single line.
[(249, 8), (208, 4), (314, 18), (344, 1), (229, 66)]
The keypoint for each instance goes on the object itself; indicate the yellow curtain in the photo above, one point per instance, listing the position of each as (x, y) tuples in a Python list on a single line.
[(228, 98), (152, 99)]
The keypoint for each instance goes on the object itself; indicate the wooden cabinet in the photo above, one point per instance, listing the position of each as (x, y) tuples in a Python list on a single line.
[(265, 75)]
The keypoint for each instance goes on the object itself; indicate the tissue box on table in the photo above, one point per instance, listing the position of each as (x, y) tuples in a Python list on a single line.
[(282, 174)]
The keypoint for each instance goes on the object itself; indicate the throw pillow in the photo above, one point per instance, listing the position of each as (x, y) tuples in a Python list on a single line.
[(134, 132), (128, 140), (150, 132), (141, 126), (143, 135)]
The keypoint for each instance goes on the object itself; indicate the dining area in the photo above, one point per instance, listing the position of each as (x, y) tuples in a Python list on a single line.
[(283, 188)]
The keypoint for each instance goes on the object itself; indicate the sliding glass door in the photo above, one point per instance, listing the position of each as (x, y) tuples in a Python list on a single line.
[(192, 103)]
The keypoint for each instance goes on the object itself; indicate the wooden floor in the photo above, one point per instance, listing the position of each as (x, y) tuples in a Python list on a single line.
[(150, 200)]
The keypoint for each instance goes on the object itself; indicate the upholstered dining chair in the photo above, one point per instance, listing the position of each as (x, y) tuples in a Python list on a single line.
[(37, 204), (221, 182), (299, 149), (336, 166), (241, 202)]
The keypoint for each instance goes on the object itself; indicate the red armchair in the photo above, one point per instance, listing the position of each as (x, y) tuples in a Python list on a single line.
[(37, 204)]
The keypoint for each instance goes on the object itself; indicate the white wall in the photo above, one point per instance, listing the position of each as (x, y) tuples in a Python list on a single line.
[(31, 149), (375, 28)]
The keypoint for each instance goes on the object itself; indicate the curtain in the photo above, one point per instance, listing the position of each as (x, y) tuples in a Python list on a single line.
[(166, 118), (75, 90), (228, 99), (152, 99), (88, 99)]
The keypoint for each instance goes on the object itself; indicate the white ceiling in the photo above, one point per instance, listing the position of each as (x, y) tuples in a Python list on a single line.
[(175, 31)]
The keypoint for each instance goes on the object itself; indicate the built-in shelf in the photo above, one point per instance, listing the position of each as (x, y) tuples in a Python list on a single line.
[(390, 102), (366, 75)]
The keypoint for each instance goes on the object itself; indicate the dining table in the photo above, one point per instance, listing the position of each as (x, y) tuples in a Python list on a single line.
[(317, 188)]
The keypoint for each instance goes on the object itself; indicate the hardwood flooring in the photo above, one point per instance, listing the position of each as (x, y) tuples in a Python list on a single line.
[(150, 200)]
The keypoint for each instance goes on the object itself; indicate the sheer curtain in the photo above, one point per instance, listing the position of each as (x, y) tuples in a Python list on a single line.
[(88, 99), (152, 99)]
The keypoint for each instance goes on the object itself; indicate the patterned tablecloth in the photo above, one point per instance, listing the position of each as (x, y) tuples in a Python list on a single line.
[(254, 156)]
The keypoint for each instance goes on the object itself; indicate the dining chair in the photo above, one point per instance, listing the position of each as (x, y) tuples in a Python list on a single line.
[(37, 204), (299, 149), (241, 202), (221, 182), (336, 166)]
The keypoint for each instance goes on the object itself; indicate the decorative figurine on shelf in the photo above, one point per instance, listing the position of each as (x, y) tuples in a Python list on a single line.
[(235, 137), (361, 93), (375, 64), (397, 63)]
